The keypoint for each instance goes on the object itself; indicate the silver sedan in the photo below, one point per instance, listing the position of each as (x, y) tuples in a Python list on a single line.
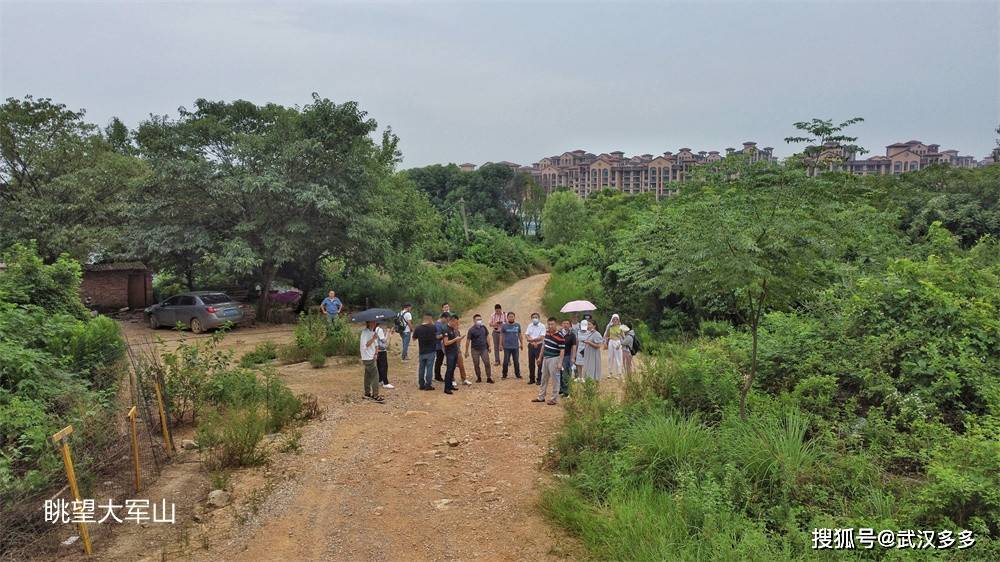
[(199, 311)]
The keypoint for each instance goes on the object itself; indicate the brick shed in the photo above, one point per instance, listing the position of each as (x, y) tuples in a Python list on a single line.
[(112, 286)]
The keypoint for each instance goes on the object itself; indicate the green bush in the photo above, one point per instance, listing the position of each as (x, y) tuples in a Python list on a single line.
[(317, 359), (703, 380), (310, 332), (481, 278), (231, 438), (340, 340), (263, 353), (58, 366)]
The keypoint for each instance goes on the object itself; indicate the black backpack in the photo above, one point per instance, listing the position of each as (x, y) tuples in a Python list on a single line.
[(400, 323), (636, 345)]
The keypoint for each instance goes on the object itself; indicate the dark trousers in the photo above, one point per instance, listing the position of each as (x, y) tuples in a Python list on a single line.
[(438, 361), (533, 353), (382, 362), (449, 371), (567, 372), (496, 346), (484, 356), (516, 355)]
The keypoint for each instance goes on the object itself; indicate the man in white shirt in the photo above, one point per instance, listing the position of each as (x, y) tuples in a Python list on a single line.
[(368, 340), (535, 334), (408, 330)]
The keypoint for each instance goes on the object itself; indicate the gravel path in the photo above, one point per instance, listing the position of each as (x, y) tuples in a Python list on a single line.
[(425, 476)]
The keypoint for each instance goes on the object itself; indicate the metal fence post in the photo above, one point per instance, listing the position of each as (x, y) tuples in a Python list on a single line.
[(60, 438)]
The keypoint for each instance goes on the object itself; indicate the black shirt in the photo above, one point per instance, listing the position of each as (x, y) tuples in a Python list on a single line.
[(479, 337), (570, 338), (450, 334), (426, 336)]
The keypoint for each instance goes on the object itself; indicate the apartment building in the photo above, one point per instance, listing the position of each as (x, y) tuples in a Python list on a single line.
[(899, 158), (585, 173)]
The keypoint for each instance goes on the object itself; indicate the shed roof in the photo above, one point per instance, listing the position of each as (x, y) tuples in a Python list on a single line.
[(115, 266)]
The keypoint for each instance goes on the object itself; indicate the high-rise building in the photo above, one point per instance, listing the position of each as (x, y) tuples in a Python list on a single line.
[(900, 157), (585, 173)]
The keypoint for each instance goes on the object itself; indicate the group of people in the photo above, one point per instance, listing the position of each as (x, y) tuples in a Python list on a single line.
[(557, 351)]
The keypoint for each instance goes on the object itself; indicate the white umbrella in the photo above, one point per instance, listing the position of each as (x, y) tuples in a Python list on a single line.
[(578, 306)]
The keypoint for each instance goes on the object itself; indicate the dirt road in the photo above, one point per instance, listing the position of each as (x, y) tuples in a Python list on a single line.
[(425, 476)]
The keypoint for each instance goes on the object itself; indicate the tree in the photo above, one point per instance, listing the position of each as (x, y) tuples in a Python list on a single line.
[(62, 183), (563, 216), (533, 198), (821, 132), (755, 242), (253, 188), (493, 194)]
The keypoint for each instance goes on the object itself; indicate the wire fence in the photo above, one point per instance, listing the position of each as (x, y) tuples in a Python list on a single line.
[(112, 462)]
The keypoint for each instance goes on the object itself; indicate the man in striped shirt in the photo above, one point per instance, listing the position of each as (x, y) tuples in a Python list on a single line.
[(496, 322), (550, 362)]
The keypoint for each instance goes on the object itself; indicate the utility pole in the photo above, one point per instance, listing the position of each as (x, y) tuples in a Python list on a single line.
[(465, 221)]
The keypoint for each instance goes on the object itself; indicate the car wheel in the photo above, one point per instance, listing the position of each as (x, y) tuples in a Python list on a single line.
[(196, 326), (153, 322)]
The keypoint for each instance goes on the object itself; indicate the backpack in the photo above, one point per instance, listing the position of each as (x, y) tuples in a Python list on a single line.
[(636, 345), (400, 324)]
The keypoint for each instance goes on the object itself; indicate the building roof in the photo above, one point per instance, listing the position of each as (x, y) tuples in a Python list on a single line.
[(115, 266)]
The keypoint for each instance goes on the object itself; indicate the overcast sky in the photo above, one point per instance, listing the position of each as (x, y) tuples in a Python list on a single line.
[(476, 81)]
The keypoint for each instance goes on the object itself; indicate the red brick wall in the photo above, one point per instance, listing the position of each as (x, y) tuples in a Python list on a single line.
[(108, 290)]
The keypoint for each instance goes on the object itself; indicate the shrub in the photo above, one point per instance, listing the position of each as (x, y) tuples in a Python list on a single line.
[(479, 277), (317, 359), (231, 438), (291, 353), (714, 329), (263, 353), (340, 340), (701, 379), (310, 332)]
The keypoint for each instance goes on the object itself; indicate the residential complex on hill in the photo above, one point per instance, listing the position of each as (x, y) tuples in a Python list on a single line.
[(899, 158), (584, 173)]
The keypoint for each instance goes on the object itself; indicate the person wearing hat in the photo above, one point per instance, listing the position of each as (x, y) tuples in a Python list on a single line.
[(627, 340)]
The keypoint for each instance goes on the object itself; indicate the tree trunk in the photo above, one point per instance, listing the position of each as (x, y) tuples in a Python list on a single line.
[(264, 301), (304, 298), (745, 389), (189, 277)]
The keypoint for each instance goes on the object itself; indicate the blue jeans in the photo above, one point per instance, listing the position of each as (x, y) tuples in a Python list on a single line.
[(425, 370), (406, 343)]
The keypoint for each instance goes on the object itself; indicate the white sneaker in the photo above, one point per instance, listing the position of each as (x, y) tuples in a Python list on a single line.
[(466, 381), (389, 386), (454, 385)]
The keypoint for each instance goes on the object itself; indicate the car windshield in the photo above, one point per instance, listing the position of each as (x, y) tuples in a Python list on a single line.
[(215, 298)]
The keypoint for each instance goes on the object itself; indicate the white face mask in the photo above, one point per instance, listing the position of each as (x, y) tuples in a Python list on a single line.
[(479, 322), (534, 321)]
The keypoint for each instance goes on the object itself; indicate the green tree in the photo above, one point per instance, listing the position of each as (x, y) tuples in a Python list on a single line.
[(754, 242), (822, 131), (62, 183), (252, 188), (563, 217)]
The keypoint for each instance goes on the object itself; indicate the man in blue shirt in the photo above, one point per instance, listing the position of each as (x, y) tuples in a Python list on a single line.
[(513, 342), (331, 306)]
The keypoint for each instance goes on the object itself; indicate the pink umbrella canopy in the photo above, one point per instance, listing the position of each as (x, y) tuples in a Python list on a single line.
[(578, 306)]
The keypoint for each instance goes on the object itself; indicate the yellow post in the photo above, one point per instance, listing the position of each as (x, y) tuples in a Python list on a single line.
[(163, 418), (60, 439), (135, 448)]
